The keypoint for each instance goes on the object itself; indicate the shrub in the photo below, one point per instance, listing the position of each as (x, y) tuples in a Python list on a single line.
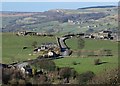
[(9, 74), (21, 82), (6, 75), (65, 72), (42, 79), (84, 77), (13, 82), (73, 73), (108, 77)]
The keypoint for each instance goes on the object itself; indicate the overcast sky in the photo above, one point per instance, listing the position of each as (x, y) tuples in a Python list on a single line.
[(44, 6)]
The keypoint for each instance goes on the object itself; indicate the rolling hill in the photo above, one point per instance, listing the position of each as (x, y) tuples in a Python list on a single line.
[(61, 20)]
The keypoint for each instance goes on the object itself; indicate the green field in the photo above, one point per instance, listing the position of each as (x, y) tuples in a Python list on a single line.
[(87, 64), (92, 44), (12, 50), (12, 47)]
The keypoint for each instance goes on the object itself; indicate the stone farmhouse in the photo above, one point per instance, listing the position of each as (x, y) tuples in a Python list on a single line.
[(31, 33), (103, 35), (49, 48)]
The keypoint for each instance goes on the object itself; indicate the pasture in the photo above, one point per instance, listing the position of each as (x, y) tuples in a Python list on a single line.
[(87, 64), (12, 46)]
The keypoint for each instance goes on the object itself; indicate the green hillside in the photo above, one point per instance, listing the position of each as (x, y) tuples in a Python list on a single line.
[(62, 20), (12, 46)]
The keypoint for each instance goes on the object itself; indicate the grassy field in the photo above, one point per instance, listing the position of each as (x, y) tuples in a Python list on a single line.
[(12, 46), (92, 44), (12, 50), (87, 64)]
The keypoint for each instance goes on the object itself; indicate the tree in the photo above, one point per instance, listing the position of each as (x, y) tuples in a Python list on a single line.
[(110, 77), (84, 77), (42, 79), (73, 73), (6, 75), (65, 72)]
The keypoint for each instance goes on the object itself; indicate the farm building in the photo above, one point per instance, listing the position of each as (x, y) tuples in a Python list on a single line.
[(103, 34), (24, 33), (48, 49), (31, 33)]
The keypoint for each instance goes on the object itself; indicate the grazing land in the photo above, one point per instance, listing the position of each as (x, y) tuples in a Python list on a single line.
[(12, 46), (13, 51), (87, 64), (60, 46)]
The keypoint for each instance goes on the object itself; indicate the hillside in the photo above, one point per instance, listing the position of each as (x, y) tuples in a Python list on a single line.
[(62, 20)]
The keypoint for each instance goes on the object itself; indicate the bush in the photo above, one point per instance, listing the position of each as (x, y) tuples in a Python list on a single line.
[(109, 77), (21, 82), (65, 72), (13, 82), (42, 79), (10, 74), (73, 73), (84, 77), (6, 74), (96, 61)]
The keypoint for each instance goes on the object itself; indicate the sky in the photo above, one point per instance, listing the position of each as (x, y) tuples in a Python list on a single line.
[(44, 6), (60, 0)]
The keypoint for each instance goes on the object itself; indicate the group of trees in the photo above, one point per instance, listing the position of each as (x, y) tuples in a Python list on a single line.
[(110, 77), (47, 73), (53, 74)]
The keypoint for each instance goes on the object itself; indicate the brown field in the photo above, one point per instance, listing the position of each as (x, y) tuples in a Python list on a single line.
[(16, 14)]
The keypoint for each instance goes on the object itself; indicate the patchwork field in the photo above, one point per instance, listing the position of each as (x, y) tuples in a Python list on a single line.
[(12, 50), (12, 46)]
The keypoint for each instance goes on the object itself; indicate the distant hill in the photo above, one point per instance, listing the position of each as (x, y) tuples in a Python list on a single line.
[(62, 20), (97, 7)]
